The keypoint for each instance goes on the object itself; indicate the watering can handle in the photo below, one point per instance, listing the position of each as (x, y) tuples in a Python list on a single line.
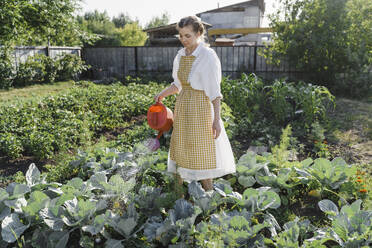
[(159, 134)]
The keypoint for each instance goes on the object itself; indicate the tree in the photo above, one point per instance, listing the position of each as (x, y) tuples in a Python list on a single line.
[(319, 36), (131, 35), (40, 22), (12, 22), (122, 19), (159, 21), (99, 24), (360, 32), (96, 16)]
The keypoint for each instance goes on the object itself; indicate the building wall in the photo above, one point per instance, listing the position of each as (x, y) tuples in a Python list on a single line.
[(250, 18)]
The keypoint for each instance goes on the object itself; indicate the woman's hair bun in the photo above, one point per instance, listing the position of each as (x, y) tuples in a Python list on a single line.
[(193, 21)]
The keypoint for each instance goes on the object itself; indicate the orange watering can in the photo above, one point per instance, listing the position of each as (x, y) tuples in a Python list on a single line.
[(160, 118)]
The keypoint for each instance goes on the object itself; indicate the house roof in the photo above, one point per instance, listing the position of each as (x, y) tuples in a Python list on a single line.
[(235, 7), (170, 27)]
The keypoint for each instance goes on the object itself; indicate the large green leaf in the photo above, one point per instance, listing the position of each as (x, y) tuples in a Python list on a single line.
[(16, 204), (17, 190), (78, 211), (59, 239), (260, 199), (113, 243), (207, 201), (126, 226), (247, 164), (4, 211), (12, 228), (329, 174), (329, 208), (33, 176), (97, 226), (37, 201), (52, 216), (118, 187), (3, 195), (246, 181)]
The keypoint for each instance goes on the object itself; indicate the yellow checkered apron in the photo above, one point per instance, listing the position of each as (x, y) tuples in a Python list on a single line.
[(192, 143)]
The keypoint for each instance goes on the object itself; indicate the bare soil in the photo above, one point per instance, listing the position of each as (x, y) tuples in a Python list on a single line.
[(351, 130)]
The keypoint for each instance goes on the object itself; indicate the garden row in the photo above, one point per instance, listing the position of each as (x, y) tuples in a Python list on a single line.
[(126, 199), (252, 111), (43, 126)]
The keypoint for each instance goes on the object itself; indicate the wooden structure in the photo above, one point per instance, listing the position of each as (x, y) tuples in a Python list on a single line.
[(166, 35), (146, 60), (240, 22)]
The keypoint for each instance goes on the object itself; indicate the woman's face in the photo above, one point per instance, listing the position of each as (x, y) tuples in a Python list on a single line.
[(188, 37)]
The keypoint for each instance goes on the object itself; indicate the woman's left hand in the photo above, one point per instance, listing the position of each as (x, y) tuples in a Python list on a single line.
[(216, 128)]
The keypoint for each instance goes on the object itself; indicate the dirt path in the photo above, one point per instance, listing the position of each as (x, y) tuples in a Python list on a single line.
[(352, 130)]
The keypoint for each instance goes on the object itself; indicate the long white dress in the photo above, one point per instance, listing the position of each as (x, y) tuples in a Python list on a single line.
[(224, 158)]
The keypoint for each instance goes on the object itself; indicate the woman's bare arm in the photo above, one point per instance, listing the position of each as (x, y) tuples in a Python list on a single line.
[(216, 106), (172, 89), (216, 126)]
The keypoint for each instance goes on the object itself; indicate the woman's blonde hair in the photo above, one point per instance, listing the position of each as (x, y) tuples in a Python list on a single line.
[(195, 23)]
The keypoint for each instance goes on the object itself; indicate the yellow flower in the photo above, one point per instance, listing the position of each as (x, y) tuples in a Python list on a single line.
[(116, 204), (314, 193)]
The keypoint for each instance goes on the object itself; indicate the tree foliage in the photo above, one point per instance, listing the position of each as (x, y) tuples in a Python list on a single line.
[(360, 31), (159, 21), (122, 19), (324, 37), (131, 35), (120, 31), (39, 22), (12, 22)]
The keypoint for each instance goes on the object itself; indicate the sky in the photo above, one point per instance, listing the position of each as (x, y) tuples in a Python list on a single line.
[(144, 10)]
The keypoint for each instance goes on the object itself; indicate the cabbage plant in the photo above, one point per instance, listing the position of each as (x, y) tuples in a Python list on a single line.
[(329, 174), (351, 226)]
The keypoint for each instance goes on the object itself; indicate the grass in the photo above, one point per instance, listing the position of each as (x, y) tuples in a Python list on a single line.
[(37, 90), (351, 134), (352, 127)]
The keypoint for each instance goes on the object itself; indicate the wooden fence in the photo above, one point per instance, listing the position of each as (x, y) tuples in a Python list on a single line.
[(119, 62), (21, 53)]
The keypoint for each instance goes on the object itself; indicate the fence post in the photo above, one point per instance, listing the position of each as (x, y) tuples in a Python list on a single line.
[(136, 60), (255, 58), (47, 51), (124, 61)]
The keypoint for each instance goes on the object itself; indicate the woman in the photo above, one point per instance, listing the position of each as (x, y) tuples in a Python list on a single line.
[(199, 147)]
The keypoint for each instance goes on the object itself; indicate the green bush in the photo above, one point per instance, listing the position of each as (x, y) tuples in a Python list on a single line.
[(6, 68), (356, 84), (263, 109), (41, 69), (36, 69), (10, 145), (44, 126), (70, 66)]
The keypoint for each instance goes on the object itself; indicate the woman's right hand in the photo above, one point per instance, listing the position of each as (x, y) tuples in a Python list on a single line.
[(158, 97)]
